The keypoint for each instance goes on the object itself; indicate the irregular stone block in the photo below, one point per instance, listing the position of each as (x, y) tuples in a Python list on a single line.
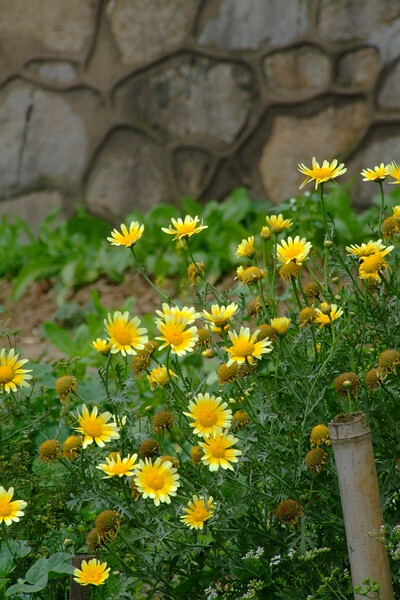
[(344, 20), (304, 68), (128, 173), (148, 30), (359, 67), (40, 137), (191, 166), (389, 95), (39, 204), (247, 24), (53, 71), (190, 98), (60, 26), (382, 145), (296, 139)]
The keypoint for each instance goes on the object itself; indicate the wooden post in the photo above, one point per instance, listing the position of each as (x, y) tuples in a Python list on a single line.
[(359, 493), (77, 591)]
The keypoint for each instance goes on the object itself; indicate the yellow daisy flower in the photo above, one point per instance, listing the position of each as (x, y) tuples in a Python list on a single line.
[(249, 275), (184, 229), (396, 211), (281, 325), (117, 466), (158, 480), (371, 266), (124, 335), (246, 248), (102, 346), (278, 223), (208, 413), (293, 249), (178, 313), (159, 376), (265, 233), (367, 249), (91, 573), (95, 427), (126, 237), (218, 451), (10, 510), (394, 171), (377, 174), (175, 335), (11, 374), (245, 347), (220, 316), (324, 320), (322, 173), (198, 511)]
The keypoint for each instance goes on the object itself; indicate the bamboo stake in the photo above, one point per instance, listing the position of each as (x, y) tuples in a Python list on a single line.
[(359, 493)]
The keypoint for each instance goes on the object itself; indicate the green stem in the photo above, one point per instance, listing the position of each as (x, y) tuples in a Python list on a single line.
[(382, 206), (144, 275), (296, 294), (5, 538), (321, 196), (364, 321)]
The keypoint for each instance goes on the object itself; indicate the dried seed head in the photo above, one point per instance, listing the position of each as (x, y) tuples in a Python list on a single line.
[(49, 450), (312, 290), (148, 448), (172, 459), (373, 379), (320, 435), (65, 386), (266, 331), (316, 459), (240, 419), (288, 512), (72, 446), (307, 316), (291, 269), (388, 361), (162, 421), (107, 523), (254, 306), (196, 453), (347, 382), (93, 540)]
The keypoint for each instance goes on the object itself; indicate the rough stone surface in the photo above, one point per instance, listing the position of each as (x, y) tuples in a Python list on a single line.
[(247, 24), (383, 146), (56, 71), (191, 167), (386, 39), (58, 26), (145, 31), (389, 95), (128, 173), (40, 137), (38, 204), (359, 67), (296, 140), (199, 97), (344, 20), (305, 67)]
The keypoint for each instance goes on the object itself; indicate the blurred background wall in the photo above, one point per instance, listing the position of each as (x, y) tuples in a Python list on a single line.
[(126, 103)]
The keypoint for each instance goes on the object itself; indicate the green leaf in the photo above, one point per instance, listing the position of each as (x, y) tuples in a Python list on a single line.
[(61, 340), (58, 563), (40, 269), (25, 588)]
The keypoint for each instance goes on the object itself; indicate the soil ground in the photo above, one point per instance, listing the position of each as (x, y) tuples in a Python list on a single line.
[(37, 306)]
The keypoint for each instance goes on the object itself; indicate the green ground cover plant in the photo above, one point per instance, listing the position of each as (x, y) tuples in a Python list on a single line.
[(188, 451)]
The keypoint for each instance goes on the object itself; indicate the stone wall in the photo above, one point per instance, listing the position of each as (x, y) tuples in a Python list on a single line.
[(126, 103)]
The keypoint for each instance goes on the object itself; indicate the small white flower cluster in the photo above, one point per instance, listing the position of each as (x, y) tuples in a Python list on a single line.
[(254, 554), (211, 593), (310, 554), (291, 552), (293, 204), (275, 560)]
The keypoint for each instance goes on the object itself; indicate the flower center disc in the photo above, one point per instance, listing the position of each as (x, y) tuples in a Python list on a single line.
[(6, 373), (322, 173), (175, 338), (372, 264), (207, 418), (5, 509), (93, 428), (122, 335), (155, 481), (200, 514), (217, 449), (244, 348)]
